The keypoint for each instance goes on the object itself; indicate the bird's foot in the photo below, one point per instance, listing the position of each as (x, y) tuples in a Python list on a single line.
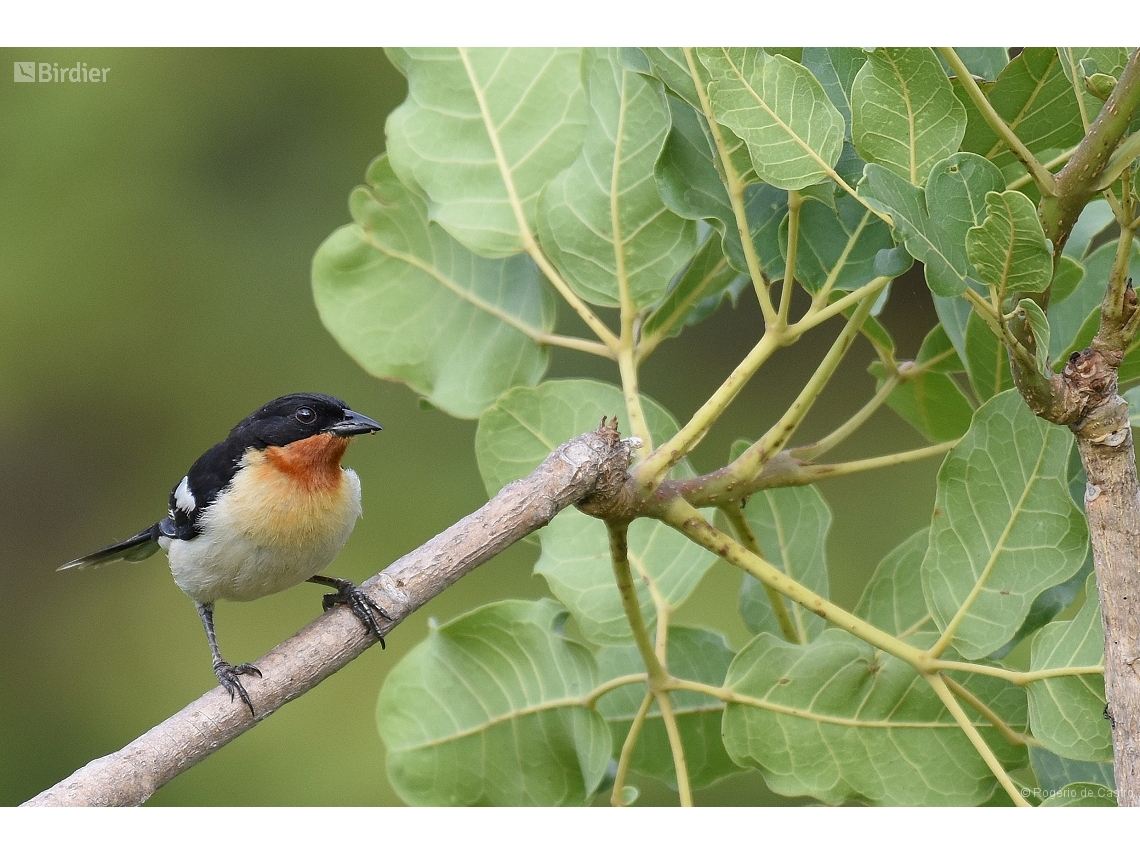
[(362, 605), (227, 675)]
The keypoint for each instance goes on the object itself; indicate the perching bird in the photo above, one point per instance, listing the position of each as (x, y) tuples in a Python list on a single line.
[(266, 508)]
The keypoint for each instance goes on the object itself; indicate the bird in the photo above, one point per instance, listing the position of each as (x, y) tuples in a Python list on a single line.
[(266, 508)]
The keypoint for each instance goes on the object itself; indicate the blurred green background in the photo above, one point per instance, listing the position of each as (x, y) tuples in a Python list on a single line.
[(156, 233)]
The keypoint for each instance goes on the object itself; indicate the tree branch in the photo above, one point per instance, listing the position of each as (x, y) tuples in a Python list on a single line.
[(583, 467)]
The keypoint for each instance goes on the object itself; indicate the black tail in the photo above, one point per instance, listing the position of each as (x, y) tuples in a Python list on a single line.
[(142, 545)]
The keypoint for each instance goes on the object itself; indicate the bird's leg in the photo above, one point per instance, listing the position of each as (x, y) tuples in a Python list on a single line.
[(361, 604), (226, 673)]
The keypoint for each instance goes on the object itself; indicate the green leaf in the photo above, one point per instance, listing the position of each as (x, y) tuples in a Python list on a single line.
[(904, 115), (987, 360), (837, 247), (954, 316), (489, 710), (527, 423), (601, 221), (937, 353), (516, 434), (1050, 602), (691, 186), (1054, 771), (933, 224), (670, 67), (1094, 219), (1075, 319), (1066, 278), (482, 130), (791, 525), (576, 564), (984, 62), (1081, 62), (1004, 527), (1067, 713), (1032, 329), (698, 290), (794, 133), (692, 654), (930, 402), (409, 302), (841, 721), (1036, 102), (893, 599), (1009, 249), (835, 69)]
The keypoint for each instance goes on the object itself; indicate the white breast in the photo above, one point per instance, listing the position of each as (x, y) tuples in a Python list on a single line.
[(261, 538)]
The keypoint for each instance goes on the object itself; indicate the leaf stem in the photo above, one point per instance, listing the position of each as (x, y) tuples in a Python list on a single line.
[(947, 697), (572, 343), (591, 698), (735, 188), (744, 533), (1041, 176), (680, 767), (819, 300), (627, 750), (686, 519), (1049, 165), (795, 204), (619, 557), (749, 464), (1011, 736), (821, 446), (814, 317), (1017, 678), (1120, 160), (652, 470), (630, 388)]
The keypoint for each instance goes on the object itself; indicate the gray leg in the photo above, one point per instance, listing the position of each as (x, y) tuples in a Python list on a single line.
[(226, 673)]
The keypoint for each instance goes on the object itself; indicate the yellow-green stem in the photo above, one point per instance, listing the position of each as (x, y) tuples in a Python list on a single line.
[(735, 188), (1011, 735), (1017, 678), (947, 697), (744, 533), (776, 437), (652, 471), (631, 391), (795, 204), (686, 519), (821, 446), (619, 557), (1041, 176), (680, 767), (627, 750)]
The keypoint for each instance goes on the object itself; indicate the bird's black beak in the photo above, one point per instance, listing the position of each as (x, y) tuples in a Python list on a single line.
[(354, 423)]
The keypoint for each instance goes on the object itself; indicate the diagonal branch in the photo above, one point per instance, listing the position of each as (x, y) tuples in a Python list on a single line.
[(578, 469)]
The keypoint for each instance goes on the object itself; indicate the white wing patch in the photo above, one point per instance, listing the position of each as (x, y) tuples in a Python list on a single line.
[(183, 497)]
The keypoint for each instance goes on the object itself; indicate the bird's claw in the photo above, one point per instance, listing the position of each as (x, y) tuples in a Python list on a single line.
[(227, 675), (362, 605)]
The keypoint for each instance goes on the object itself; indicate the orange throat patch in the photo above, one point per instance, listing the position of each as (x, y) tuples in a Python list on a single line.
[(314, 462)]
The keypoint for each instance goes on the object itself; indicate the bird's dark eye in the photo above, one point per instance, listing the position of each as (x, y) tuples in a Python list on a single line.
[(306, 416)]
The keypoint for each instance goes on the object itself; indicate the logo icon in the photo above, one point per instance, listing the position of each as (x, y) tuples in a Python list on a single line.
[(24, 72)]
